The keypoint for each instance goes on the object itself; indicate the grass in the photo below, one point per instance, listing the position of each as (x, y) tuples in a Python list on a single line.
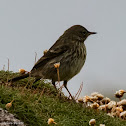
[(34, 112)]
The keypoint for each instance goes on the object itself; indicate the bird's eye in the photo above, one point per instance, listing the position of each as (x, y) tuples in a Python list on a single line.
[(84, 33)]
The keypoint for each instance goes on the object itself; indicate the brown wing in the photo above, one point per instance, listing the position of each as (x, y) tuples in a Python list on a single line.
[(57, 49)]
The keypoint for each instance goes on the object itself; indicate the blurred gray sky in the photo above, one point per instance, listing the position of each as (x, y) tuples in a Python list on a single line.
[(29, 26)]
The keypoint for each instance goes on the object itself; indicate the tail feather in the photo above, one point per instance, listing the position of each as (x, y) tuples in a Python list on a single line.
[(19, 77)]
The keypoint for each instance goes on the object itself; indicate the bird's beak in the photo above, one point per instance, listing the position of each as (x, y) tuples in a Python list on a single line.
[(91, 33)]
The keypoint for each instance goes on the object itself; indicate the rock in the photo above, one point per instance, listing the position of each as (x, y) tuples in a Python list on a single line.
[(8, 119)]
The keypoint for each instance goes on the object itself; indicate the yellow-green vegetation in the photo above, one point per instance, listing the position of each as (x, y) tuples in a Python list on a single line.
[(34, 110)]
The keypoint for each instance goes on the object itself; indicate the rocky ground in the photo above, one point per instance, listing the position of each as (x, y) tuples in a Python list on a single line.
[(8, 119)]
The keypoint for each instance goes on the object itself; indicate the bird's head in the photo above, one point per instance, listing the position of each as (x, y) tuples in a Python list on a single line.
[(78, 32)]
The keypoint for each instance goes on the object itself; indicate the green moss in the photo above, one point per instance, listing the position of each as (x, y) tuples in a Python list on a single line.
[(34, 112)]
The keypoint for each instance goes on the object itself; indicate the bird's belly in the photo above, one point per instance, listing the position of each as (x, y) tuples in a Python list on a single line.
[(71, 69), (72, 64)]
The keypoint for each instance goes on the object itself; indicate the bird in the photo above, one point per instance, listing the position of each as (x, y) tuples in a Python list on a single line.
[(69, 50)]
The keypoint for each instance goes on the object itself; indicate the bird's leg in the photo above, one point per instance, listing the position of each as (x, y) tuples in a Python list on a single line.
[(65, 85), (36, 79), (53, 82)]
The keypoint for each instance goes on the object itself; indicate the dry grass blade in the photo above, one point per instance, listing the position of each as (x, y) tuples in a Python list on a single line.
[(25, 85), (79, 91), (36, 88), (35, 57), (60, 89), (8, 71), (8, 64), (41, 94), (3, 67), (24, 88)]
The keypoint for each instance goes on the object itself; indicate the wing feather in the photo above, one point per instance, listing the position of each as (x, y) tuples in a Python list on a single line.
[(56, 50)]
